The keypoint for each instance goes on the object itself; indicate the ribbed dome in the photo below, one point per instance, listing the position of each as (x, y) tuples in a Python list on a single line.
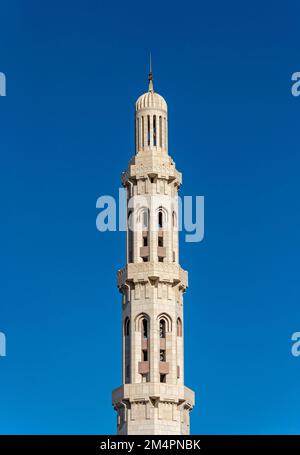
[(151, 100)]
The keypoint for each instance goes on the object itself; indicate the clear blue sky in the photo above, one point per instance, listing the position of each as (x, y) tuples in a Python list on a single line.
[(74, 70)]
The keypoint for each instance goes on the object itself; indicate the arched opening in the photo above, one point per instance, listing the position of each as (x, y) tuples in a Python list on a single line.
[(148, 129), (127, 349), (174, 219), (130, 236), (137, 134), (145, 328), (165, 325), (127, 327), (162, 328), (165, 321), (145, 218), (160, 131), (142, 324), (154, 130), (179, 327), (160, 219)]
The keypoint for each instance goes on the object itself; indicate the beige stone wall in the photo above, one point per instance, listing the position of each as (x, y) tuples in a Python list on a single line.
[(153, 409)]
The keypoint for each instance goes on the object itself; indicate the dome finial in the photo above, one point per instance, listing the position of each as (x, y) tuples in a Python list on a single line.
[(150, 77)]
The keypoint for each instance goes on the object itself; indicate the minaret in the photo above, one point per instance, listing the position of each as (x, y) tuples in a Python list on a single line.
[(153, 398)]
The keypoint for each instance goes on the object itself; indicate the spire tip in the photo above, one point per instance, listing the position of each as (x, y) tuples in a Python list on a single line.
[(150, 76)]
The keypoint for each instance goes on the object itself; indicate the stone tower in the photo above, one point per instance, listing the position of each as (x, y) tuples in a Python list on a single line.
[(152, 398)]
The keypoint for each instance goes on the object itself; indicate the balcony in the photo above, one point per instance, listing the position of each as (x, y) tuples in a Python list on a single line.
[(144, 367), (163, 367), (161, 251), (144, 343), (162, 343), (144, 251)]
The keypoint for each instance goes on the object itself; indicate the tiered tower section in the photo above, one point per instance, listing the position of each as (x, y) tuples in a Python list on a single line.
[(153, 398)]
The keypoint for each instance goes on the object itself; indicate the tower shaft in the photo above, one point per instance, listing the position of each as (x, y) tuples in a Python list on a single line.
[(152, 398)]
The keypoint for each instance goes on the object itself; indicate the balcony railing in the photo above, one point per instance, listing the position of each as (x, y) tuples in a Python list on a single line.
[(163, 367), (161, 251), (144, 251), (144, 367)]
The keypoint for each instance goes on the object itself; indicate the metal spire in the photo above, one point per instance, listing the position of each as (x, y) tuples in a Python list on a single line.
[(150, 77)]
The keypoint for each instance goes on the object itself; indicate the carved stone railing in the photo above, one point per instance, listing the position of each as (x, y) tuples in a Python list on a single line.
[(162, 271)]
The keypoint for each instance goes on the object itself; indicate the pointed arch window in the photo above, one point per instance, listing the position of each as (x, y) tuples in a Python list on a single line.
[(174, 219), (130, 236), (179, 327), (145, 328), (138, 134), (148, 129), (160, 131), (162, 328), (127, 349), (154, 130), (160, 219), (127, 327), (145, 218)]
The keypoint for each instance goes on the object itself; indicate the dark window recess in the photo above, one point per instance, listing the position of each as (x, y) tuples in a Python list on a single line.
[(148, 129), (145, 241), (162, 355), (130, 239), (145, 328), (145, 355), (145, 219), (179, 327), (160, 219), (160, 132), (162, 328), (160, 241), (127, 327), (162, 378)]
